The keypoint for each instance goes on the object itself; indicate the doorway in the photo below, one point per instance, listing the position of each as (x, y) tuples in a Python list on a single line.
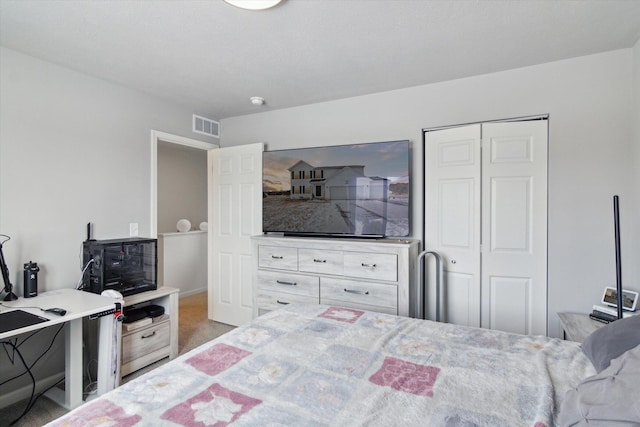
[(178, 192), (158, 138)]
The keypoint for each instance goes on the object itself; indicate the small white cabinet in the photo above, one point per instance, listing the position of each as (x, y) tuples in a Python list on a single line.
[(153, 342), (377, 275)]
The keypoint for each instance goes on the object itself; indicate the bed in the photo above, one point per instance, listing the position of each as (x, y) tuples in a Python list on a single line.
[(315, 365)]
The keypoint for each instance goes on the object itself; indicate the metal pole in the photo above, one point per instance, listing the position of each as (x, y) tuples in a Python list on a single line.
[(616, 222), (439, 276)]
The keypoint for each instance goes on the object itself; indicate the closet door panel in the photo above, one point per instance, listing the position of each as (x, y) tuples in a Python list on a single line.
[(514, 226), (510, 210), (461, 299), (452, 220), (511, 294)]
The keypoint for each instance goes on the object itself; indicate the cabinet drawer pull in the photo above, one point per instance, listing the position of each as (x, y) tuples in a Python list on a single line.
[(319, 260), (282, 282), (368, 265), (277, 257), (149, 335), (352, 291), (281, 302)]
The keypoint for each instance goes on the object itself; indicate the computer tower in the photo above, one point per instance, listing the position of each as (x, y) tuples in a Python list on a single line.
[(129, 265)]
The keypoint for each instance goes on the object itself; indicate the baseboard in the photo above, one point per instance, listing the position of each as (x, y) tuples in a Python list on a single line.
[(24, 392), (192, 292)]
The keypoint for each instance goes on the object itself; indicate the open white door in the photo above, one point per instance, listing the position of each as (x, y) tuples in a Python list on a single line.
[(235, 214)]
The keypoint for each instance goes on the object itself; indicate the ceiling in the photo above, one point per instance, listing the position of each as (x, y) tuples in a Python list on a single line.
[(212, 57)]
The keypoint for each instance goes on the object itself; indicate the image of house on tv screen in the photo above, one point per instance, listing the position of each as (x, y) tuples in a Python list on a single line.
[(358, 189)]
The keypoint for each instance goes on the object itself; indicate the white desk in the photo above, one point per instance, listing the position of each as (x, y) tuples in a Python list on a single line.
[(78, 304)]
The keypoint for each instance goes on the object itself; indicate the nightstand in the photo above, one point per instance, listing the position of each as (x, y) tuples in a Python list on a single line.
[(578, 326), (153, 342)]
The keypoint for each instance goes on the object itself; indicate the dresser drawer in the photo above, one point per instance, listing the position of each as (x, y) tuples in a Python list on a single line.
[(366, 296), (371, 266), (320, 261), (278, 257), (268, 301), (297, 284), (146, 340)]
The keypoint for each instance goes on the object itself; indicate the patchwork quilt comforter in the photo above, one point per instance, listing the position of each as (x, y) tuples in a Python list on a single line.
[(311, 365)]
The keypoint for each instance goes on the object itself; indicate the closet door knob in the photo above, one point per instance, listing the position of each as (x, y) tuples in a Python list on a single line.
[(453, 261)]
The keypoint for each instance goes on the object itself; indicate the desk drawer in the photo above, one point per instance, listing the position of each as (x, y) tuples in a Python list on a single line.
[(278, 257), (144, 341)]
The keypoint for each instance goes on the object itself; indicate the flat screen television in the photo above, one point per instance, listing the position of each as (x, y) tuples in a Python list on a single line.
[(351, 190)]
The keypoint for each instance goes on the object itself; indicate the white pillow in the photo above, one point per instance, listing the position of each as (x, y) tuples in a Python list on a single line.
[(611, 397)]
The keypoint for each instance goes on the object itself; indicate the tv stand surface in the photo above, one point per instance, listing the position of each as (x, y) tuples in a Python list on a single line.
[(335, 236), (370, 274)]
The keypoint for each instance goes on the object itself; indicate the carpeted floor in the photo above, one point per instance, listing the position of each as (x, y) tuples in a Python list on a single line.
[(194, 328)]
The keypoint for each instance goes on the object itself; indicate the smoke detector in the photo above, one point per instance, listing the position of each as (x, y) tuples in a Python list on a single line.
[(257, 100)]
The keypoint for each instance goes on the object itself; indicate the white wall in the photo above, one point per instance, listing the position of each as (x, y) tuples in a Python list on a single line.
[(182, 186), (73, 150), (591, 151)]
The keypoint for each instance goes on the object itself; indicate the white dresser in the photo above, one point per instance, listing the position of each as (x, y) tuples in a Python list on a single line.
[(377, 275)]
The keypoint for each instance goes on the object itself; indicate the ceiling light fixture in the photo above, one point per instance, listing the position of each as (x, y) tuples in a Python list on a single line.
[(253, 4), (257, 100)]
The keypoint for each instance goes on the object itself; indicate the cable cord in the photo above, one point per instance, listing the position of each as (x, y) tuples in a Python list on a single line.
[(92, 387), (11, 358), (21, 306), (33, 381), (28, 368), (79, 285), (38, 397), (15, 347)]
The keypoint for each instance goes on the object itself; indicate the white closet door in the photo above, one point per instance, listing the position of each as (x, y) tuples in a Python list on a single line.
[(452, 220), (235, 214), (514, 226), (486, 214)]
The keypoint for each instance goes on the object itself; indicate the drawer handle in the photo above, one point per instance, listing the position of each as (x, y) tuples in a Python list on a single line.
[(149, 335), (319, 260), (368, 265), (276, 257), (352, 291), (281, 302), (282, 282)]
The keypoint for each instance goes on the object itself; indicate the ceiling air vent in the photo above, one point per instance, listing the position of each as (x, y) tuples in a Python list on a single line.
[(206, 126)]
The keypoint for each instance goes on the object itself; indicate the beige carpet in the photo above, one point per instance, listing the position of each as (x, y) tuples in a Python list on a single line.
[(194, 328)]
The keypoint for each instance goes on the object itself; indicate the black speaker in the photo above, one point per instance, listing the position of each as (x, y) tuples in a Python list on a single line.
[(31, 279)]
